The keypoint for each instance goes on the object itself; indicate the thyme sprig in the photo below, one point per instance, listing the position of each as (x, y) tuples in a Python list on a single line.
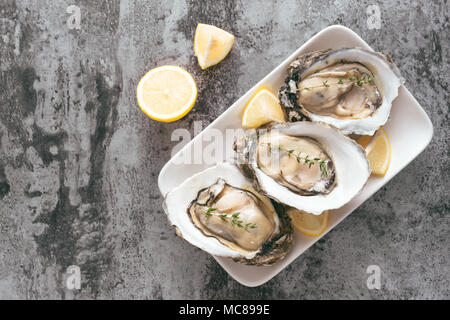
[(235, 221), (323, 163), (208, 212), (359, 81)]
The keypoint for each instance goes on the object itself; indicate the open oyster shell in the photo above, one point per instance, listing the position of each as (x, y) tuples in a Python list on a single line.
[(312, 182), (350, 88), (218, 211)]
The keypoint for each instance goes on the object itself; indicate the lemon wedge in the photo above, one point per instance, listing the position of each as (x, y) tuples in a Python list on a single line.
[(211, 44), (378, 152), (308, 223), (166, 93), (262, 108)]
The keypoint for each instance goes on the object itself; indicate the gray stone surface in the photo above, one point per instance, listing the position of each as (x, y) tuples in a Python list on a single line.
[(79, 161)]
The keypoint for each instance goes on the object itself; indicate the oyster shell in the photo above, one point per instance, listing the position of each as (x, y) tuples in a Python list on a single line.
[(218, 211), (317, 170), (351, 89)]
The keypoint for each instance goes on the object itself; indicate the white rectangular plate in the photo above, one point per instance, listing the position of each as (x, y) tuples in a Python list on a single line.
[(406, 144)]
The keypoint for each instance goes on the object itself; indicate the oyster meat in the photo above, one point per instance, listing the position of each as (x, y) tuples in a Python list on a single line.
[(296, 162), (218, 211), (307, 165), (352, 89)]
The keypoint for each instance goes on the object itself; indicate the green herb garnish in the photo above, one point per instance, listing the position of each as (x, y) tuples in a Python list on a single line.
[(305, 159), (208, 212), (235, 221), (249, 225), (358, 82), (323, 167)]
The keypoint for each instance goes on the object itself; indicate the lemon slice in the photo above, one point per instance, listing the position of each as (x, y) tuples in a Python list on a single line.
[(211, 44), (262, 108), (379, 152), (308, 223), (166, 93)]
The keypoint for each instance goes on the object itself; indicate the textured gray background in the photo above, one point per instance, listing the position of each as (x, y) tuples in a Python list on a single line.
[(79, 161)]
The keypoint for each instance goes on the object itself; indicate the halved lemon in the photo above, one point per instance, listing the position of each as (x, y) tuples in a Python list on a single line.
[(211, 44), (308, 223), (166, 93), (379, 152), (262, 108)]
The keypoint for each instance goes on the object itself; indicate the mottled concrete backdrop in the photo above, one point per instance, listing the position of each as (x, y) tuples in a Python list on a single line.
[(79, 161)]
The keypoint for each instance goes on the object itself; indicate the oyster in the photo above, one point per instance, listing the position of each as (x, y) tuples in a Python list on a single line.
[(298, 163), (307, 165), (351, 89), (218, 211)]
